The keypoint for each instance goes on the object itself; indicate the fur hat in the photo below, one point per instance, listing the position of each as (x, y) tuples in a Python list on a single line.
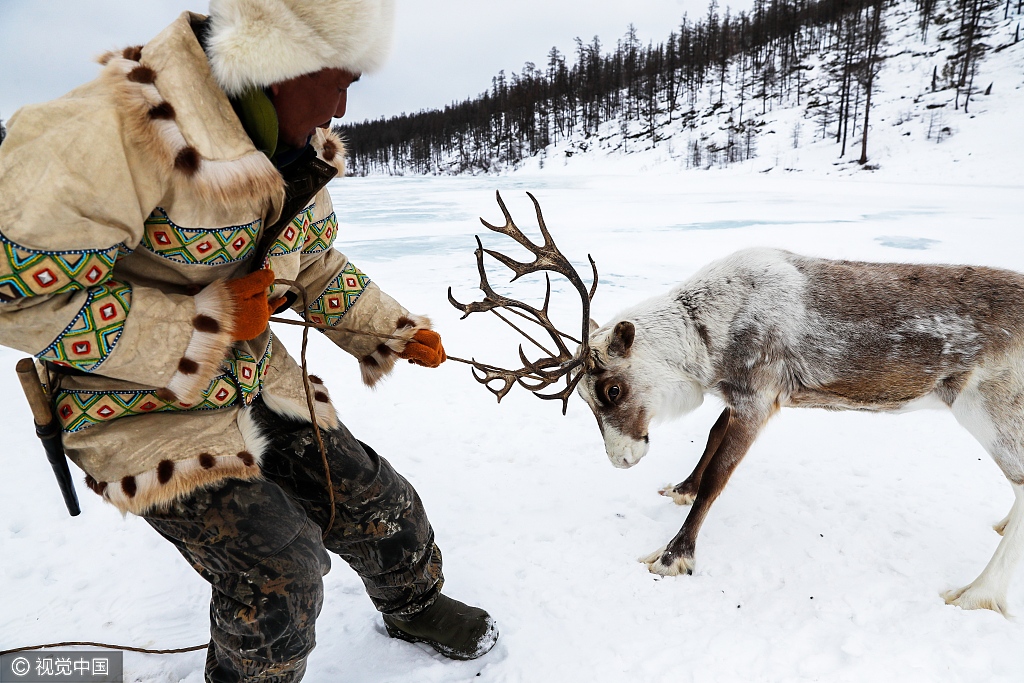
[(260, 42)]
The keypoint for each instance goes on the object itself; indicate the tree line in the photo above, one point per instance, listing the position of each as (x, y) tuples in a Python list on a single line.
[(761, 55)]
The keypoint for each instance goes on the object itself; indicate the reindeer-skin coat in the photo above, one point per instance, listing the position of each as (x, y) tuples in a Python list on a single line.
[(124, 207), (764, 329)]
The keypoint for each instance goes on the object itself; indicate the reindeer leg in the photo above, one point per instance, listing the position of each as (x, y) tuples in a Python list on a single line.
[(677, 557), (684, 492), (988, 591), (985, 410)]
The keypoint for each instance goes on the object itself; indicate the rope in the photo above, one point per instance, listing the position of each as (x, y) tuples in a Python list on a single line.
[(108, 647), (327, 473), (309, 394), (379, 335), (306, 325)]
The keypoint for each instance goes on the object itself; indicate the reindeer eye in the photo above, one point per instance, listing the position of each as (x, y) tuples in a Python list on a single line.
[(610, 391)]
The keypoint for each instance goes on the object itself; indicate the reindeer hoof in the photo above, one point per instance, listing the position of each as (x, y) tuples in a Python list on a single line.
[(659, 562), (972, 597), (669, 490)]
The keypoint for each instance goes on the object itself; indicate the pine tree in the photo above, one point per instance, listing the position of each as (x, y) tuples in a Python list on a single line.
[(639, 89)]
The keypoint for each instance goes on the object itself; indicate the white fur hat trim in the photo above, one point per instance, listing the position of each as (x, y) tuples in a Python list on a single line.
[(260, 42)]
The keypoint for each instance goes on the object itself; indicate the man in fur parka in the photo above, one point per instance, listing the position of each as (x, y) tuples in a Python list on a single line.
[(146, 221)]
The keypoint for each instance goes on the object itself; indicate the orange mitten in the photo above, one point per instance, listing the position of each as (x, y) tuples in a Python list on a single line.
[(252, 310), (425, 349)]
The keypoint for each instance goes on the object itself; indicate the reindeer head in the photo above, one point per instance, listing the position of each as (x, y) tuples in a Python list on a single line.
[(622, 376), (627, 386), (613, 392)]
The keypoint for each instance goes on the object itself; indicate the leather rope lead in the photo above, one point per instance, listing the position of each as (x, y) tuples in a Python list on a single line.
[(107, 647), (306, 325), (309, 397), (327, 472)]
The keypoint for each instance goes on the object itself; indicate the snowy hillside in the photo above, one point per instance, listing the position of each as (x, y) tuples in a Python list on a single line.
[(772, 106), (913, 128)]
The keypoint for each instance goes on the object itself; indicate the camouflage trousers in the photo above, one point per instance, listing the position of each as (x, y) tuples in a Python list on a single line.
[(259, 544)]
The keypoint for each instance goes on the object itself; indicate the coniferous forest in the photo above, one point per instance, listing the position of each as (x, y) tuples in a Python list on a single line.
[(748, 61)]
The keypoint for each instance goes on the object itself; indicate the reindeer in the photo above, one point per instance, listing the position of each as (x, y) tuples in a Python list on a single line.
[(764, 329)]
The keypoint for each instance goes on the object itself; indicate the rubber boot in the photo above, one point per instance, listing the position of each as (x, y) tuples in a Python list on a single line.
[(454, 629)]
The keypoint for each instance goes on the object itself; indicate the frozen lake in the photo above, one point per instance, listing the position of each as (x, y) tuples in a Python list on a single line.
[(822, 560)]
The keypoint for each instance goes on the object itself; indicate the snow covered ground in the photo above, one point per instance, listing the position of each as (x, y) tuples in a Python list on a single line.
[(823, 559)]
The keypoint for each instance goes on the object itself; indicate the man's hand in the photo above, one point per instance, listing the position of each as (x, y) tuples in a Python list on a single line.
[(424, 349), (252, 310)]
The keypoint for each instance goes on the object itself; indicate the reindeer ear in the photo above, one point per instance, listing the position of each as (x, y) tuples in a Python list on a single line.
[(622, 339), (593, 325)]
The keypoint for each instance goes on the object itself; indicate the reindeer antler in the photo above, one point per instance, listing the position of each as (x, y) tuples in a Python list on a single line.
[(538, 375)]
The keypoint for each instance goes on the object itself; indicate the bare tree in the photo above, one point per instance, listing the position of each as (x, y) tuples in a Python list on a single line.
[(870, 68), (973, 29)]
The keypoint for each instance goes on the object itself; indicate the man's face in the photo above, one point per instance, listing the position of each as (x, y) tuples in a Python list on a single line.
[(308, 102)]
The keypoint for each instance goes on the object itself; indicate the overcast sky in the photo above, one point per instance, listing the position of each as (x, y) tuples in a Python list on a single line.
[(445, 50)]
